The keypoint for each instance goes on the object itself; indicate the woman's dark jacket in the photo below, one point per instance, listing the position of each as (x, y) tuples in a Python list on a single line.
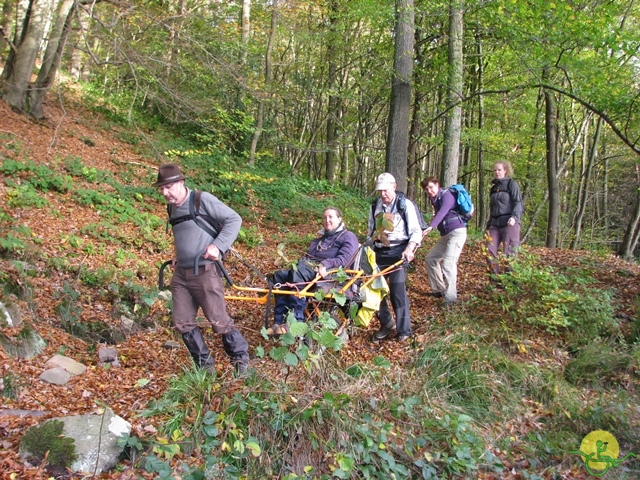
[(505, 202), (334, 249)]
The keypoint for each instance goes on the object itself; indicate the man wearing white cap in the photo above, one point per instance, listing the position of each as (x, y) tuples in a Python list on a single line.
[(394, 217)]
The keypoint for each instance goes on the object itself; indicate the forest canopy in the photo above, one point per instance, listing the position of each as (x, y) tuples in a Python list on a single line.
[(344, 90)]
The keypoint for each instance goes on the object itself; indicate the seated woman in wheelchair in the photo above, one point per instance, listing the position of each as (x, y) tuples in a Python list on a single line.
[(335, 247)]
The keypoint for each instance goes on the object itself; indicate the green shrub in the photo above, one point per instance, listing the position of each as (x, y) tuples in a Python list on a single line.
[(634, 333), (100, 277), (60, 264), (69, 310), (454, 445), (11, 245), (24, 196), (250, 236), (76, 167), (464, 376), (38, 176), (536, 294), (133, 299)]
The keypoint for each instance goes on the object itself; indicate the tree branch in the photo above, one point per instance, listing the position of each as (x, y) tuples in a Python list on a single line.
[(519, 88)]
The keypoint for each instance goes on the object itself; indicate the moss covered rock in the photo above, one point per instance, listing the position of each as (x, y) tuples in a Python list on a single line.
[(48, 437)]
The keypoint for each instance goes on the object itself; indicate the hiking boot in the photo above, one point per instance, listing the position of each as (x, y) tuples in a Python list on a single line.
[(277, 329), (197, 346), (240, 368), (403, 338), (385, 331)]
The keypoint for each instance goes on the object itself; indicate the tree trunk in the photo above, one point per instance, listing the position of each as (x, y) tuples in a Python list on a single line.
[(551, 129), (53, 55), (584, 190), (267, 80), (334, 104), (5, 25), (414, 136), (22, 10), (413, 170), (400, 105), (453, 121), (246, 28), (344, 161), (22, 63), (605, 193), (178, 12), (632, 233), (77, 65), (482, 210)]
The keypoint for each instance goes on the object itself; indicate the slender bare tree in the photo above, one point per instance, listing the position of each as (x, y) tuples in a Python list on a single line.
[(632, 232), (267, 80), (551, 129), (52, 56)]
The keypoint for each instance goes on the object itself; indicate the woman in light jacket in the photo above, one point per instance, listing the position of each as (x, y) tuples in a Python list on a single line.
[(442, 259)]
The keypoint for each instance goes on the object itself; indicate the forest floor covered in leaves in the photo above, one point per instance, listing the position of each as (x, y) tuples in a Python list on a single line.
[(73, 131)]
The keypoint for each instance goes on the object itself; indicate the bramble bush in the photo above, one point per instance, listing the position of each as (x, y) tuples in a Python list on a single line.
[(540, 296)]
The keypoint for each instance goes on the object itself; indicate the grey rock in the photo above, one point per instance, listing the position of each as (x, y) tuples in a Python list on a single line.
[(95, 438), (23, 413), (69, 364), (27, 344), (108, 356), (170, 344), (56, 376), (5, 316), (128, 326)]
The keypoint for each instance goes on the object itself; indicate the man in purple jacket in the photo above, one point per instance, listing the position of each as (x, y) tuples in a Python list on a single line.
[(335, 247), (442, 259)]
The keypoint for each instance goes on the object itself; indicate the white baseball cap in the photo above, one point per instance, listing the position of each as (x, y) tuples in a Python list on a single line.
[(385, 181)]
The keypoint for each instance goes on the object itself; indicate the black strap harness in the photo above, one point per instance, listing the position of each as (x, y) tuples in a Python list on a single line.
[(208, 224)]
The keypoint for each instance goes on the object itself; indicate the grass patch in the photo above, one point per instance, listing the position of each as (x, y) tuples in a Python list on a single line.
[(10, 385), (597, 364), (185, 403)]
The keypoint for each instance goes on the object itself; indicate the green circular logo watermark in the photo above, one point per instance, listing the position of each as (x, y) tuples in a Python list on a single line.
[(600, 451)]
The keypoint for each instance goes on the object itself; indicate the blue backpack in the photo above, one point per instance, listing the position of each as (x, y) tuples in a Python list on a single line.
[(464, 203)]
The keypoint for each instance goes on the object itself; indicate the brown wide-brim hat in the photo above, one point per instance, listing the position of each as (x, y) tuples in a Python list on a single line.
[(168, 173)]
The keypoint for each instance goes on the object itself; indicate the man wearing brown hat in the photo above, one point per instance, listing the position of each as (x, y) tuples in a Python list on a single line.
[(197, 279)]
